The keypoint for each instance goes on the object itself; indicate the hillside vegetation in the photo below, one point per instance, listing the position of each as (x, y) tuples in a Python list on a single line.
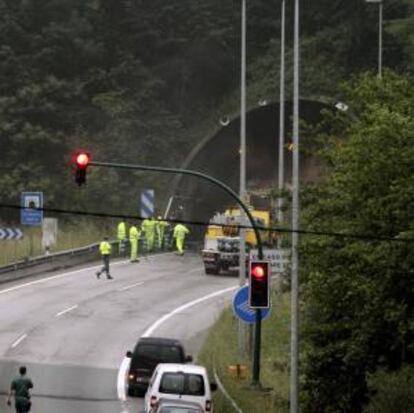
[(139, 81)]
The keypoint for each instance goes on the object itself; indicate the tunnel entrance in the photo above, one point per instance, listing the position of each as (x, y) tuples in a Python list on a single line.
[(219, 157)]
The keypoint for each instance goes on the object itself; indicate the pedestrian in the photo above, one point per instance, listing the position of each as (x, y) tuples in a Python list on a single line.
[(121, 234), (134, 234), (161, 225), (20, 390), (105, 250), (148, 227), (180, 232)]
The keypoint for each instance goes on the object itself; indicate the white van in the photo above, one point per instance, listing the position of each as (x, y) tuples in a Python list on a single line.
[(180, 381)]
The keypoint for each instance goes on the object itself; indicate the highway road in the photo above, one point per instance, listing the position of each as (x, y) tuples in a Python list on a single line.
[(72, 330)]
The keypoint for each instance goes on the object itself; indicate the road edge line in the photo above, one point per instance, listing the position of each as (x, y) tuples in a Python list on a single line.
[(225, 393)]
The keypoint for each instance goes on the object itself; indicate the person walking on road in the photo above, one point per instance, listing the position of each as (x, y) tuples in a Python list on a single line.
[(134, 239), (105, 250), (20, 390), (121, 234), (180, 232)]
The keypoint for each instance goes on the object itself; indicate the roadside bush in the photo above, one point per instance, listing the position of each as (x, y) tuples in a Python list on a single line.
[(393, 392)]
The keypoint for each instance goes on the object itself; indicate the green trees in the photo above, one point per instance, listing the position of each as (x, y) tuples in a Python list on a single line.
[(134, 80), (358, 294)]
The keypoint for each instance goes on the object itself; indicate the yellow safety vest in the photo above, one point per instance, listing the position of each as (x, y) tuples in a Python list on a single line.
[(133, 233), (121, 230), (105, 248), (180, 231)]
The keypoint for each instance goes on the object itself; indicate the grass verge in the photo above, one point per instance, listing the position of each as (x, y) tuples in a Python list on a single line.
[(70, 235), (221, 350)]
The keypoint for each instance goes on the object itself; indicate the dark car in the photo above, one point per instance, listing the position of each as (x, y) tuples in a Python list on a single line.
[(147, 354)]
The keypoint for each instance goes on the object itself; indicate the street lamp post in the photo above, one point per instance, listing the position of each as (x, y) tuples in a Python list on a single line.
[(242, 193), (281, 177), (294, 363), (380, 24)]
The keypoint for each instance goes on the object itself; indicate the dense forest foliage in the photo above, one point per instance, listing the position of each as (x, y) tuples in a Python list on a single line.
[(139, 81)]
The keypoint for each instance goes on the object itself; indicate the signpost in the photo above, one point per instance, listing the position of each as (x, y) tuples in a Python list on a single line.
[(30, 214), (243, 311), (279, 258)]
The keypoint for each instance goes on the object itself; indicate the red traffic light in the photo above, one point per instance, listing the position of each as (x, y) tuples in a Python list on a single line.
[(258, 270), (259, 284), (82, 160)]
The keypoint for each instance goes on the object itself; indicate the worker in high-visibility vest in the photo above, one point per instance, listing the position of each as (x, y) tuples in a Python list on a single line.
[(121, 235), (105, 250), (148, 227), (160, 227), (134, 239), (180, 232)]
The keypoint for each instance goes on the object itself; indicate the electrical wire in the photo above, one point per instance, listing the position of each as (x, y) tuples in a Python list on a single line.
[(362, 237)]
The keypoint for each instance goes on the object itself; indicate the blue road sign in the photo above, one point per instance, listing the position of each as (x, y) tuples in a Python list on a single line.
[(10, 233), (241, 307), (29, 214), (147, 203)]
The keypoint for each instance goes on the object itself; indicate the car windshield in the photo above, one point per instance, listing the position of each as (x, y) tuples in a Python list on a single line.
[(150, 355), (182, 383)]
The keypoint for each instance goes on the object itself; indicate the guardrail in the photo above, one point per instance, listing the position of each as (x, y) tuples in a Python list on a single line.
[(66, 259), (50, 262)]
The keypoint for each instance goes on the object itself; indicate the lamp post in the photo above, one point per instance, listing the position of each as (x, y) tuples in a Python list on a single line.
[(294, 357), (380, 20), (242, 193), (281, 177)]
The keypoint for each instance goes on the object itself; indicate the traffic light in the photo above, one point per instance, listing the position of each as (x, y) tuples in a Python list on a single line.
[(82, 160), (259, 284)]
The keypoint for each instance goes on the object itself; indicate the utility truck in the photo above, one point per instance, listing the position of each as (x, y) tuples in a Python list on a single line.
[(222, 241)]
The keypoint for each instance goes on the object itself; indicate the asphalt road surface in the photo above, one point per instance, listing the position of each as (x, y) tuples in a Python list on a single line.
[(72, 330)]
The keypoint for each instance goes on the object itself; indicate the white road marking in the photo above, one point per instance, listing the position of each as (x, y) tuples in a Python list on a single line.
[(66, 311), (121, 380), (166, 317), (130, 286), (122, 372), (56, 277), (19, 340)]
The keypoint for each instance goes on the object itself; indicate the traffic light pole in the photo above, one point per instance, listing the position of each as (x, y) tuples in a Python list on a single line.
[(257, 341)]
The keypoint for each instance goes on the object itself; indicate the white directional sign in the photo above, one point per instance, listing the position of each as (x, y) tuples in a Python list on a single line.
[(10, 233), (279, 258)]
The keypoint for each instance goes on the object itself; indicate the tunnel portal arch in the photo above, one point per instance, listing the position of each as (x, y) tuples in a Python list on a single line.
[(218, 155)]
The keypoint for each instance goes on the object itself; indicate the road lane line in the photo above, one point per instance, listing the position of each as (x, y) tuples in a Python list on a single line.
[(130, 286), (65, 274), (122, 372), (167, 316), (19, 340), (66, 311)]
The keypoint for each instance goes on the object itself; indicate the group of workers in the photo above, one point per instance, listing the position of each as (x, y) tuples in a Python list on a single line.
[(154, 232)]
